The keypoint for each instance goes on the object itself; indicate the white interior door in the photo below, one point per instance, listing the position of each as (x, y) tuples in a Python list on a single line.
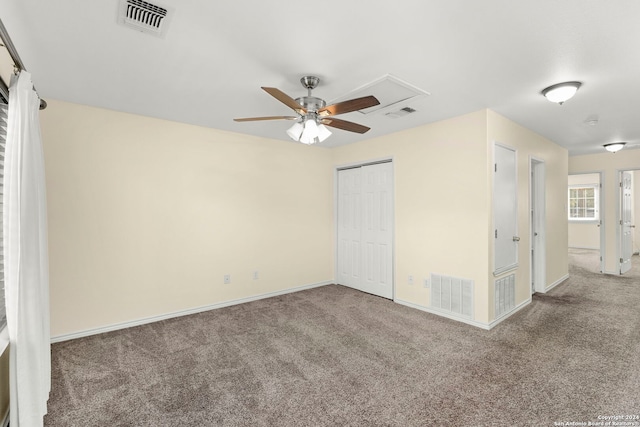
[(365, 228), (538, 227), (626, 223), (505, 210)]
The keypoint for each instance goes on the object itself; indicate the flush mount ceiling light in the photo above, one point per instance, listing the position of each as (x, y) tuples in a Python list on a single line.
[(561, 92), (614, 146)]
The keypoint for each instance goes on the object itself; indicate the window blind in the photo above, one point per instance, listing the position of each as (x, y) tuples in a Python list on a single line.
[(3, 140)]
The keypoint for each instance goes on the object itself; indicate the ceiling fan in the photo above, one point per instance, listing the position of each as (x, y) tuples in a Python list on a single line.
[(313, 113)]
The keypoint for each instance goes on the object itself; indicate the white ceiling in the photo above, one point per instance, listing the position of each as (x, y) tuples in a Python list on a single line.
[(468, 54)]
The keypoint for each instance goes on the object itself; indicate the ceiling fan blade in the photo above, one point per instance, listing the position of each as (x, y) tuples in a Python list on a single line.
[(285, 99), (255, 119), (345, 125), (348, 106)]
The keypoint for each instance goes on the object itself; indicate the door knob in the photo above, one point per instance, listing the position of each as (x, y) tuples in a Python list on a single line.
[(516, 239)]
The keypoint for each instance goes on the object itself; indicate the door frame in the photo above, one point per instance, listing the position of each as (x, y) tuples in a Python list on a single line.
[(537, 217), (336, 199)]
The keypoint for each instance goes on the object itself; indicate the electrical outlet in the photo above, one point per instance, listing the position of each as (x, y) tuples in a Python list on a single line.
[(426, 283), (256, 274), (410, 280), (227, 279)]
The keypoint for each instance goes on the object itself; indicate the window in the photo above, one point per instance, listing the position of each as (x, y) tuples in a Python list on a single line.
[(583, 202)]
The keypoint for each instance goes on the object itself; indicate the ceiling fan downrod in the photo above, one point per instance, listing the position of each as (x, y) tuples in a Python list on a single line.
[(310, 82), (311, 103)]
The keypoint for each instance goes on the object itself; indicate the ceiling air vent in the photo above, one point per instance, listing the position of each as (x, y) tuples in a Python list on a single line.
[(145, 17), (400, 113)]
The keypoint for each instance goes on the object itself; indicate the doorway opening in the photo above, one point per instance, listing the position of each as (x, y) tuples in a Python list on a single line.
[(586, 220)]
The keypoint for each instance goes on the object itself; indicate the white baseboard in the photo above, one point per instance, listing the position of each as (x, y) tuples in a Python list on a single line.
[(443, 314), (584, 247), (508, 314), (146, 320), (477, 324), (556, 283)]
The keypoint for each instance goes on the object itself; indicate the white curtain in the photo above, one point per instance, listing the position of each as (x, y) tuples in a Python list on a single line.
[(26, 258)]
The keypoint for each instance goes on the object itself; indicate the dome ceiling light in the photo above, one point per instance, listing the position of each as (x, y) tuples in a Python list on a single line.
[(614, 147), (561, 92)]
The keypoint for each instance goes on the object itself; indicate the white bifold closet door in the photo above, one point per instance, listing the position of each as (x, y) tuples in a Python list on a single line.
[(365, 228)]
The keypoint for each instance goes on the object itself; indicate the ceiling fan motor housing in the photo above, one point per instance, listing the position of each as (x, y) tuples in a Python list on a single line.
[(311, 103)]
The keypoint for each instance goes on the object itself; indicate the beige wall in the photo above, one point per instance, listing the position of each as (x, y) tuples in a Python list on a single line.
[(146, 216), (610, 164), (584, 234), (529, 144)]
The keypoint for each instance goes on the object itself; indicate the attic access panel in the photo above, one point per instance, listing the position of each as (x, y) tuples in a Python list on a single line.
[(392, 92)]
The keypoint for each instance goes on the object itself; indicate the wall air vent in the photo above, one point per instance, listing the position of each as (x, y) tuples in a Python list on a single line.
[(505, 295), (452, 295), (145, 17)]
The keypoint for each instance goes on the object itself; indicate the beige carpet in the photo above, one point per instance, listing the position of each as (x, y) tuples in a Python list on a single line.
[(589, 260), (333, 356)]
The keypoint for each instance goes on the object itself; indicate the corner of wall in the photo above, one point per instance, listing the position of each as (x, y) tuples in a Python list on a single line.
[(440, 169), (531, 145)]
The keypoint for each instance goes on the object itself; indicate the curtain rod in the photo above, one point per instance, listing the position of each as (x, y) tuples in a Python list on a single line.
[(13, 52)]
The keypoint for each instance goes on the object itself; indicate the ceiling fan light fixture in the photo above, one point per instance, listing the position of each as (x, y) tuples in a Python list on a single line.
[(295, 131), (310, 133), (614, 147), (561, 92), (323, 133)]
